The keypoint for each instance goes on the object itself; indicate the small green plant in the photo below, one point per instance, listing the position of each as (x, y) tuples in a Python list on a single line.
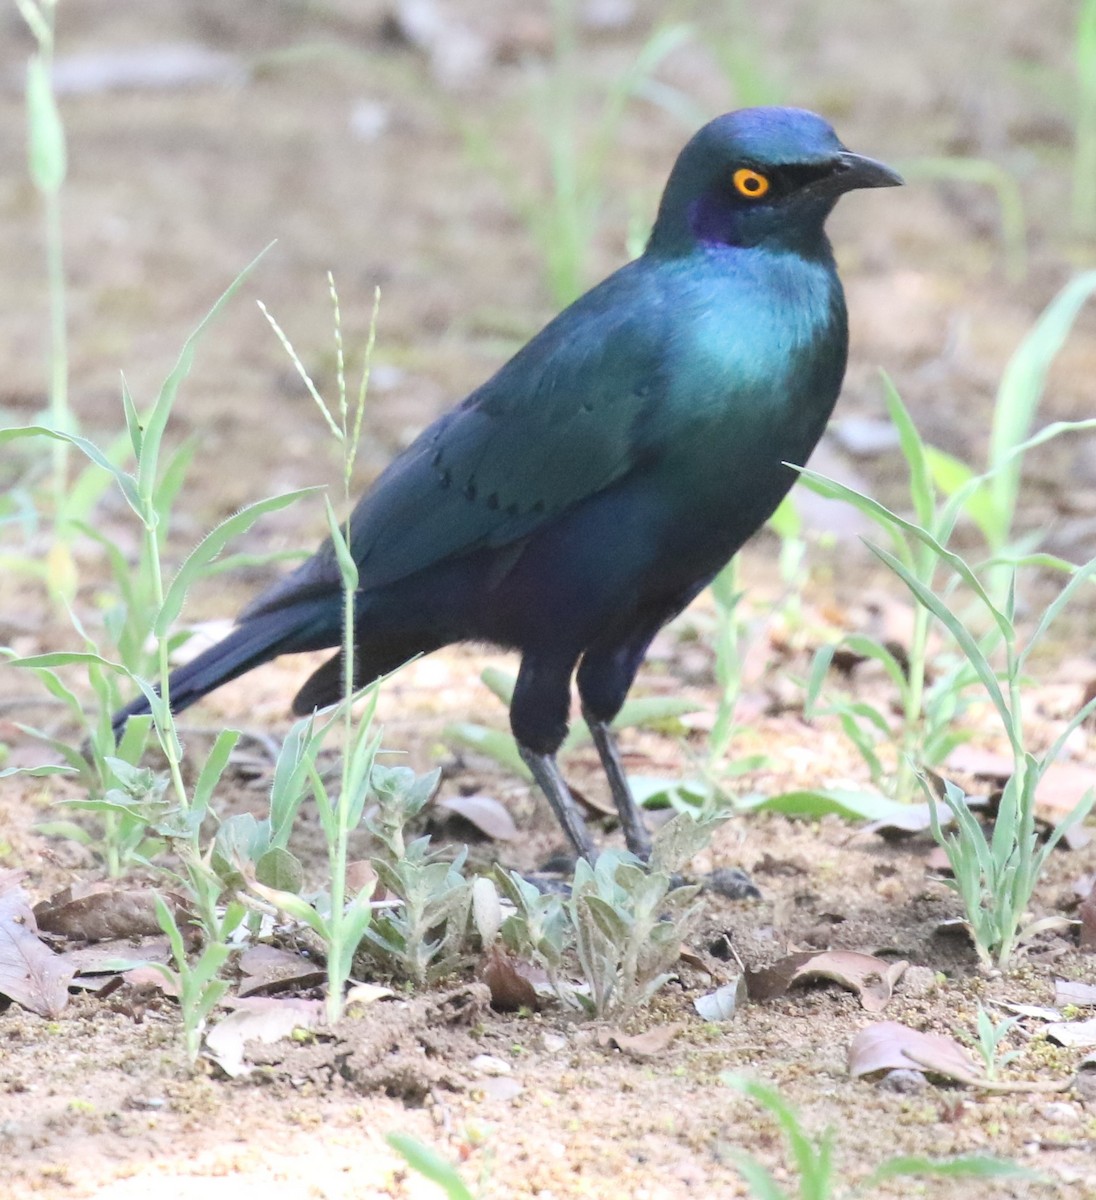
[(927, 727), (197, 984), (996, 874), (990, 1036), (430, 1165), (149, 493), (815, 1163), (623, 922), (342, 921), (422, 936)]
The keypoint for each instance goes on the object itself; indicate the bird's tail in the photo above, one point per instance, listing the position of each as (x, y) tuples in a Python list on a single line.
[(311, 626)]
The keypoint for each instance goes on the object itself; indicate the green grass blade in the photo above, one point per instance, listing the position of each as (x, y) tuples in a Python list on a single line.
[(1019, 394), (913, 450), (45, 133), (122, 478), (208, 549), (958, 630), (156, 421), (430, 1165), (972, 1166)]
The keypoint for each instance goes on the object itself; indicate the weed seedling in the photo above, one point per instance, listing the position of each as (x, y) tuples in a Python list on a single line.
[(995, 875), (422, 935), (816, 1167), (990, 1036)]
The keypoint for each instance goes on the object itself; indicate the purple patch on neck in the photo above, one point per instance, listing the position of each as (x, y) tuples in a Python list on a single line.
[(712, 219)]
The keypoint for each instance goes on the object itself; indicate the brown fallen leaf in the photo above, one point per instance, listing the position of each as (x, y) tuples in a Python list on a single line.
[(361, 876), (872, 978), (649, 1044), (890, 1046), (30, 973), (258, 1019), (267, 970), (508, 980), (981, 764), (1062, 787), (486, 813), (150, 979), (112, 957), (98, 912)]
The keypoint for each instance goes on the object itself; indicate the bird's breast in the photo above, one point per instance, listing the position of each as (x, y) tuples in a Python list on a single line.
[(758, 364)]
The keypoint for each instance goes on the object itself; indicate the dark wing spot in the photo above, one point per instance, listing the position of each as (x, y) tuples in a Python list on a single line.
[(470, 489), (493, 501), (538, 507)]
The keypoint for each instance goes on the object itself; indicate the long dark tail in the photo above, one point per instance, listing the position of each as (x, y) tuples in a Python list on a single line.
[(309, 626)]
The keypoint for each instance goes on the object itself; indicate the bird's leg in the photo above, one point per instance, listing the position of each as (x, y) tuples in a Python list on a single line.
[(547, 774), (635, 832), (539, 709)]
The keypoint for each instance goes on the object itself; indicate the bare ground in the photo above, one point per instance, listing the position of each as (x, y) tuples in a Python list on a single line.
[(171, 191)]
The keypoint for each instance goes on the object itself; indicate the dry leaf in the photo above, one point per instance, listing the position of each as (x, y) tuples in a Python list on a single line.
[(30, 973), (99, 912), (267, 970), (508, 980), (721, 1004), (889, 1046), (872, 978), (981, 764), (1067, 991), (1073, 1033), (259, 1019), (118, 955), (360, 877), (149, 979), (367, 993), (649, 1044), (1037, 1012), (917, 818), (691, 958), (488, 815)]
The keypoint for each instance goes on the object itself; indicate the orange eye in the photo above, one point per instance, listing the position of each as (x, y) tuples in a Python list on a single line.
[(750, 184)]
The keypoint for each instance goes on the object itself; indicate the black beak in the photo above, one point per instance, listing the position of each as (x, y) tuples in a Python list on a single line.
[(853, 171)]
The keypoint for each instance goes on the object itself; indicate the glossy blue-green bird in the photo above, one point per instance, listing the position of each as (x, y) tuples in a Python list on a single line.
[(592, 487)]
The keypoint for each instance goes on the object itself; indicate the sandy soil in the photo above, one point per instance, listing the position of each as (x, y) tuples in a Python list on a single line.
[(343, 141)]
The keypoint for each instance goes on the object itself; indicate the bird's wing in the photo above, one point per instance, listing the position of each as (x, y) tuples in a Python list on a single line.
[(556, 424)]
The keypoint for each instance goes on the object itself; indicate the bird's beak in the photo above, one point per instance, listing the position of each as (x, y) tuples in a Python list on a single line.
[(853, 171)]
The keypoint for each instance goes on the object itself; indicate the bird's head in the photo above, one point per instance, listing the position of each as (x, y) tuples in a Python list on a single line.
[(760, 175)]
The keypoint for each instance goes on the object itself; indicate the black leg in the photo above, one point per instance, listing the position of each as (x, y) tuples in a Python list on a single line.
[(552, 784), (538, 716), (635, 832)]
